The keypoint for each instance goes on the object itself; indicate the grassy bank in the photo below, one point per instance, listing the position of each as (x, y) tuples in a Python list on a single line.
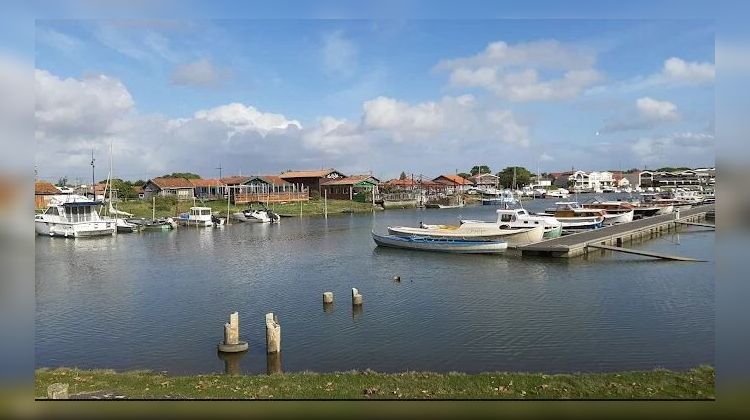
[(658, 384), (310, 208)]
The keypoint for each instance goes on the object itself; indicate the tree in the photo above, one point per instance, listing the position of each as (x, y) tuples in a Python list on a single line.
[(62, 182), (464, 175), (402, 176), (186, 175), (480, 168), (672, 169), (523, 176), (139, 183)]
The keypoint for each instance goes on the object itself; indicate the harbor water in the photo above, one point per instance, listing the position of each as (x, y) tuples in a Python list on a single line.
[(159, 300)]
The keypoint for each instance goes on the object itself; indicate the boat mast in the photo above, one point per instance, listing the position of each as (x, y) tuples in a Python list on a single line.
[(93, 177)]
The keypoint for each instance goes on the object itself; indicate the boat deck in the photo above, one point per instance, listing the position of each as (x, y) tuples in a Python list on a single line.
[(576, 244)]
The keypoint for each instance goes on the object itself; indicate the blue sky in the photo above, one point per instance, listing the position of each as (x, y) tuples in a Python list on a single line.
[(422, 96)]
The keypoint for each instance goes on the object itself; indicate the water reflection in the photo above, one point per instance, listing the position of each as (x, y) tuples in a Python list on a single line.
[(327, 307), (232, 362), (273, 363), (357, 311)]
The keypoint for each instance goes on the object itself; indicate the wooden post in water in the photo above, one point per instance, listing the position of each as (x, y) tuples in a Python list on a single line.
[(57, 391), (356, 297), (325, 202), (232, 343), (153, 208), (327, 298), (273, 334)]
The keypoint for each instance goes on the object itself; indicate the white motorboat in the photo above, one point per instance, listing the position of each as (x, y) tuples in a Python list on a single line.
[(73, 216), (257, 216), (199, 216), (574, 217), (520, 218), (474, 231), (455, 245), (558, 193), (495, 197)]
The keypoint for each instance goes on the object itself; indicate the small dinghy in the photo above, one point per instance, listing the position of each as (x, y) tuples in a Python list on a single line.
[(457, 246)]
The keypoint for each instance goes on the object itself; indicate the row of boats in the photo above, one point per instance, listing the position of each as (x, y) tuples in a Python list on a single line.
[(77, 216), (515, 227)]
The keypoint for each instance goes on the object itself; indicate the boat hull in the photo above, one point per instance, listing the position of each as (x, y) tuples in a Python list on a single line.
[(454, 246), (74, 230), (478, 232), (616, 218)]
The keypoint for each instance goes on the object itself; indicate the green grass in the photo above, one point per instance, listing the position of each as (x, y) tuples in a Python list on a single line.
[(141, 208), (657, 384)]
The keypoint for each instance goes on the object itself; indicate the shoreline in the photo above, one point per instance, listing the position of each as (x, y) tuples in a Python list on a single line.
[(697, 383)]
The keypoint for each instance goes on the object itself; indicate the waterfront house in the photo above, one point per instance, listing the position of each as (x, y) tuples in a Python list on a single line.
[(454, 183), (311, 179), (208, 189), (485, 180), (181, 188), (43, 193), (355, 187), (268, 189)]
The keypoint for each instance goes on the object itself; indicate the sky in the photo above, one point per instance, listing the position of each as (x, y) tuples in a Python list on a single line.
[(380, 96)]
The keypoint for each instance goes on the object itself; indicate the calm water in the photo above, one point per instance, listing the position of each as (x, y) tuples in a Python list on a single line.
[(159, 301)]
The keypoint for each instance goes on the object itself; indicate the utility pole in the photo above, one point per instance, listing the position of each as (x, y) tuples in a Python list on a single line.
[(93, 178), (219, 168)]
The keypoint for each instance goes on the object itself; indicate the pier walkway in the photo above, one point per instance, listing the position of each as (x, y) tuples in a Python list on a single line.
[(576, 244)]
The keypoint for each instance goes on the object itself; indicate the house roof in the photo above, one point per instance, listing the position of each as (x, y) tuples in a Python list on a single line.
[(235, 180), (268, 179), (206, 182), (318, 173), (45, 188), (351, 180), (455, 179), (171, 183), (411, 183)]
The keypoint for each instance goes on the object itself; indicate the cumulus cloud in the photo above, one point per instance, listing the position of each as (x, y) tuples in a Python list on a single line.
[(240, 118), (339, 55), (677, 70), (534, 71), (546, 157), (197, 73), (335, 136), (676, 147), (648, 113)]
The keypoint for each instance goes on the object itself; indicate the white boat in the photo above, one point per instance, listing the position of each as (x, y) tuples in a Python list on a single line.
[(257, 216), (73, 216), (615, 212), (456, 246), (123, 226), (574, 217), (520, 218), (199, 216), (476, 231), (495, 197), (558, 193)]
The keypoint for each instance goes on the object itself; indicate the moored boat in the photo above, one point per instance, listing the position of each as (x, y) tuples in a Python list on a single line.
[(520, 218), (574, 217), (614, 211), (454, 245), (73, 216), (257, 216), (474, 231), (199, 216)]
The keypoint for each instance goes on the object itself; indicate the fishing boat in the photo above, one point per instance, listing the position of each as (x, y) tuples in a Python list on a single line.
[(199, 216), (574, 217), (123, 226), (73, 216), (154, 224), (520, 218), (474, 232), (454, 245), (614, 211)]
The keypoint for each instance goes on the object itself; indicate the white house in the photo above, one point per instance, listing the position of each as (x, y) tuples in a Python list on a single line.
[(591, 180)]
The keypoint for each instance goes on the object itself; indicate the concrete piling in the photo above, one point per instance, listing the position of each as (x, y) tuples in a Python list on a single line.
[(273, 334), (397, 279), (57, 391), (232, 343), (327, 298), (356, 297)]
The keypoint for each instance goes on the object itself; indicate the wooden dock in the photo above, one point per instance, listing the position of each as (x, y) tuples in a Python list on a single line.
[(576, 244), (643, 253)]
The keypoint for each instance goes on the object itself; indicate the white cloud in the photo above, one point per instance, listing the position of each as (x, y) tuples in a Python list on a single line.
[(546, 157), (648, 113), (677, 147), (534, 71), (339, 55), (240, 118), (57, 40), (335, 136), (677, 70), (653, 110), (197, 73)]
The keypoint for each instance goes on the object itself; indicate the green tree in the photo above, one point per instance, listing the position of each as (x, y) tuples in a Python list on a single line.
[(139, 183), (186, 175), (672, 169), (480, 168), (122, 189), (402, 176), (523, 176), (464, 175), (62, 182)]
